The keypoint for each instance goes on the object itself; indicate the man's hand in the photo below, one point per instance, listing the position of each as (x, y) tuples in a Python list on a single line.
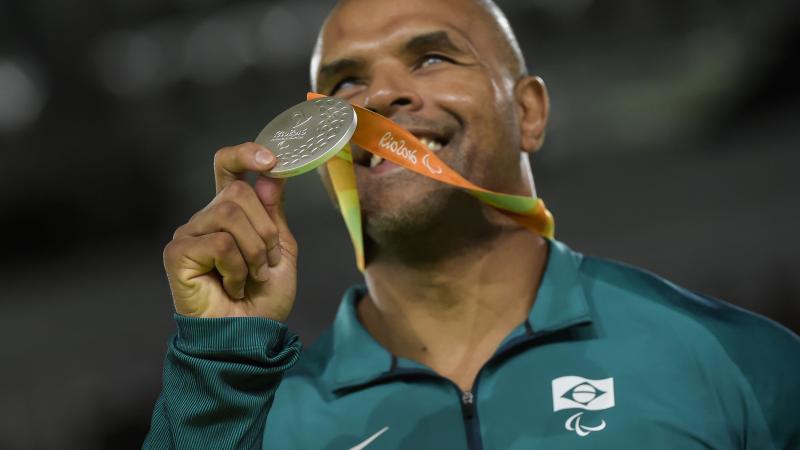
[(236, 257)]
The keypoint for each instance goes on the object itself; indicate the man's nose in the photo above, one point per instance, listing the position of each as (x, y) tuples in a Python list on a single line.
[(391, 90)]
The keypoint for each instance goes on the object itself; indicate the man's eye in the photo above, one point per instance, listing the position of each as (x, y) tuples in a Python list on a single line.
[(429, 60), (347, 83)]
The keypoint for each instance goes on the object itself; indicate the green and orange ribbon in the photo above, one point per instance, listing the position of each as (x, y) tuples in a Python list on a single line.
[(381, 136)]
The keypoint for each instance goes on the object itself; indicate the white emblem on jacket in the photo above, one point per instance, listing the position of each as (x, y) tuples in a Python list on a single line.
[(573, 392)]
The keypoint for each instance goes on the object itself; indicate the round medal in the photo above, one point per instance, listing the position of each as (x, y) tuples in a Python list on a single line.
[(308, 134)]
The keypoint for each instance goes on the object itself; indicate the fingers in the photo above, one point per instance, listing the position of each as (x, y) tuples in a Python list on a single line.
[(270, 194), (231, 163), (229, 217), (190, 257), (243, 194)]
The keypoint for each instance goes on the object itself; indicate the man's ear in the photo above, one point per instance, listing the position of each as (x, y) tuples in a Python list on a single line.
[(533, 108)]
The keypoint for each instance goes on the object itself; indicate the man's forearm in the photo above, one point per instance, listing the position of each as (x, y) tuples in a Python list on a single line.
[(220, 377)]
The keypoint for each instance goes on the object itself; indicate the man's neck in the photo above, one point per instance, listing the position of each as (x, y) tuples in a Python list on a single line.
[(452, 314)]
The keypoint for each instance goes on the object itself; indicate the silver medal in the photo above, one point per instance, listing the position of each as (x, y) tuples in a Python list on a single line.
[(307, 135)]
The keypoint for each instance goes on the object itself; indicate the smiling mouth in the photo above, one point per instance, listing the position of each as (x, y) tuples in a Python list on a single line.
[(433, 144)]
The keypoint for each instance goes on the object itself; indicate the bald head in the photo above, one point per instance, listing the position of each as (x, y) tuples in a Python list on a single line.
[(483, 13), (506, 41)]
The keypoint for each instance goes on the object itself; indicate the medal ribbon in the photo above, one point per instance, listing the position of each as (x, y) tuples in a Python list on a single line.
[(381, 136)]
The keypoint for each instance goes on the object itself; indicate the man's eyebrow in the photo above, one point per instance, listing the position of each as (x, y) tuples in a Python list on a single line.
[(330, 70), (436, 39)]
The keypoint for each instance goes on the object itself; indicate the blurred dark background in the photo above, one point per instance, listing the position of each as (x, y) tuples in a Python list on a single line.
[(673, 146)]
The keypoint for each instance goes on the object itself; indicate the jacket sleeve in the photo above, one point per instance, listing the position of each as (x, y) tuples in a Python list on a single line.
[(219, 381)]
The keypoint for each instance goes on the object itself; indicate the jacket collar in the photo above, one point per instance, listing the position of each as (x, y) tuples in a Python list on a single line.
[(561, 303)]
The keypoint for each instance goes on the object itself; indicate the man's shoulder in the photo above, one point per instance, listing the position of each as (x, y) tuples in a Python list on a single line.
[(618, 288), (641, 303), (727, 341)]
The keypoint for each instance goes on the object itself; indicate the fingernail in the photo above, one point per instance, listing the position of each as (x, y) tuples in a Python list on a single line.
[(263, 273), (241, 293), (264, 158)]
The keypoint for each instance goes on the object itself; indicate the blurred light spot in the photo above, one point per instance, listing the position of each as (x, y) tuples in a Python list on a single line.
[(212, 51), (131, 64), (216, 51), (21, 100), (283, 38)]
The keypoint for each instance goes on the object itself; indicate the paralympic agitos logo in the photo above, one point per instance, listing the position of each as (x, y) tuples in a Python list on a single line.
[(573, 392)]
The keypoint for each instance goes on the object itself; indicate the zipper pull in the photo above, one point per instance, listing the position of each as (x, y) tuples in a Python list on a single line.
[(468, 403)]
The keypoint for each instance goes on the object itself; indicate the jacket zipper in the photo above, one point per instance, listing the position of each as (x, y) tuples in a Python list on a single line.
[(469, 410), (471, 423), (468, 404), (467, 398)]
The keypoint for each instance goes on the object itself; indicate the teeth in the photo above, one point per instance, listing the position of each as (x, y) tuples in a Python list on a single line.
[(431, 144), (375, 160)]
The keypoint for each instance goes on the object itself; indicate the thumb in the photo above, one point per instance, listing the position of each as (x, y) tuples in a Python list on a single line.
[(270, 192)]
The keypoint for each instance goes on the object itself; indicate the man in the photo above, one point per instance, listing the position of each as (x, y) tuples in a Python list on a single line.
[(471, 332)]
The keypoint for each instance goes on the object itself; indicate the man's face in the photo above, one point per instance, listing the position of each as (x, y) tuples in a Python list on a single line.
[(434, 67)]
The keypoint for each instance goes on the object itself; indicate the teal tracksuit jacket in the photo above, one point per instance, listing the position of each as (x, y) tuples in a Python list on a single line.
[(610, 357)]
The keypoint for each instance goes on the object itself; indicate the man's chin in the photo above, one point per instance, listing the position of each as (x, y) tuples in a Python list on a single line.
[(398, 210), (398, 190), (434, 226), (443, 211)]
